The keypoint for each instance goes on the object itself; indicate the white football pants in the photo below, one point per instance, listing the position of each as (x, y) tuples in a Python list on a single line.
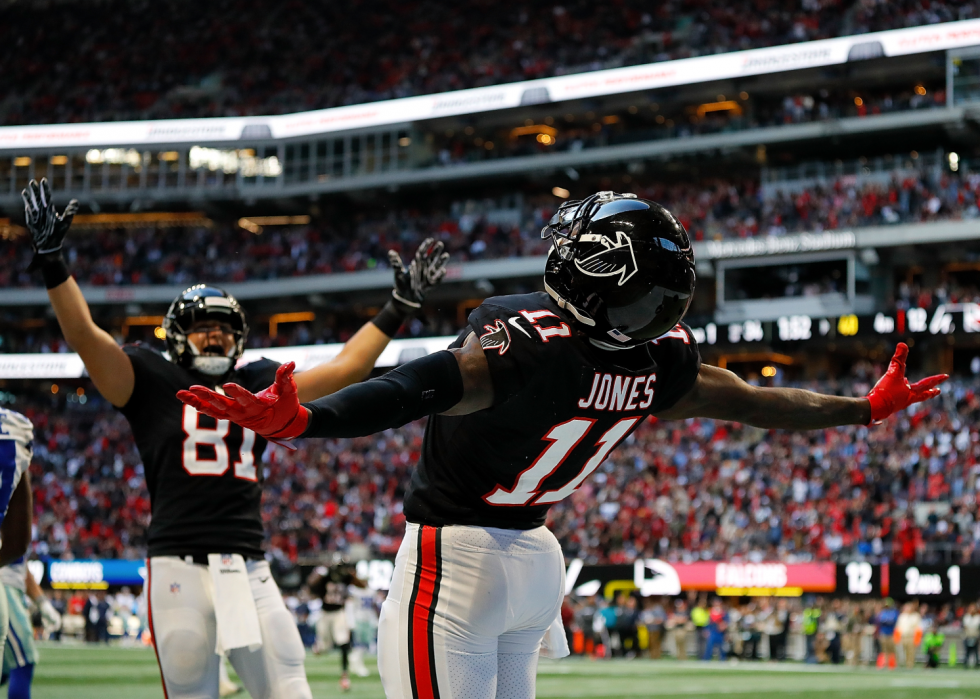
[(466, 612), (181, 617), (332, 630)]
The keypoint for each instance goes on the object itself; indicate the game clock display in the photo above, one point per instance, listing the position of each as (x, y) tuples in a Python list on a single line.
[(934, 581)]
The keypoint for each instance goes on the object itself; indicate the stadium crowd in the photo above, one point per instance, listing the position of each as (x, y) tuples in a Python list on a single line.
[(193, 62), (710, 208), (686, 490), (812, 629)]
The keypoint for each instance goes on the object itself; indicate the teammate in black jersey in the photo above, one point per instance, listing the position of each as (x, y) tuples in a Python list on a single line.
[(209, 585), (527, 403), (330, 584)]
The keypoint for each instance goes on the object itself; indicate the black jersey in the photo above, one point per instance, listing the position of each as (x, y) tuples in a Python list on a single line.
[(332, 585), (203, 474), (561, 405)]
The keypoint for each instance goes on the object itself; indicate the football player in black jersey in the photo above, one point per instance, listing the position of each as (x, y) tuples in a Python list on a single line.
[(209, 585), (528, 402), (330, 584)]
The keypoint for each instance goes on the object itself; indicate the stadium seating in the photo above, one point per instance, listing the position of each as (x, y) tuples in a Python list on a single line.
[(192, 60), (714, 208)]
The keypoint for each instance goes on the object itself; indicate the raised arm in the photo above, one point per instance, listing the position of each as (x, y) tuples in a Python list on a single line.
[(721, 395), (357, 358), (107, 364), (452, 382)]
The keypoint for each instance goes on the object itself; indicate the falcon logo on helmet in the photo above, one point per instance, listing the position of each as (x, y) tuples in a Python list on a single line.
[(197, 303), (623, 267), (616, 259)]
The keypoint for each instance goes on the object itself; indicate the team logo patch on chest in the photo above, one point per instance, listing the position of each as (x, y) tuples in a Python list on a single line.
[(496, 338)]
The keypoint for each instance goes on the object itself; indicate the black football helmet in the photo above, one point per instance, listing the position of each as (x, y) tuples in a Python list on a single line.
[(202, 302), (622, 266)]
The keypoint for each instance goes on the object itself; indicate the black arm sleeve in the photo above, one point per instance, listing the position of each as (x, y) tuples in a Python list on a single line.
[(432, 384)]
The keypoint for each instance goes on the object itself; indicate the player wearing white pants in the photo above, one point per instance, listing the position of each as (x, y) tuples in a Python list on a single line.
[(332, 630), (182, 621), (466, 612)]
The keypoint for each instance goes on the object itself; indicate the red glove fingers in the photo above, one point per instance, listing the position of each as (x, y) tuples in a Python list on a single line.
[(274, 413), (893, 392), (927, 388), (208, 402)]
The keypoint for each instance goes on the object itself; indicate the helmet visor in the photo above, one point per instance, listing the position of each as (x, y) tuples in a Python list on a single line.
[(651, 315)]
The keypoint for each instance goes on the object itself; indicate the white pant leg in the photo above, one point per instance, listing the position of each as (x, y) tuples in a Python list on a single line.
[(339, 628), (458, 594), (276, 670), (181, 618), (4, 616), (324, 637)]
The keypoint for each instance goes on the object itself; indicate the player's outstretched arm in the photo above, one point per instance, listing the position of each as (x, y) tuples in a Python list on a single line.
[(453, 382), (357, 358), (107, 364), (721, 395)]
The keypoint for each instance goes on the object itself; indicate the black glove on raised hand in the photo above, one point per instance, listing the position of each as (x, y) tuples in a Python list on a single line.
[(426, 269), (48, 229)]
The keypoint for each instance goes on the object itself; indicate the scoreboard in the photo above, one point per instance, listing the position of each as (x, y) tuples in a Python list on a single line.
[(942, 582), (943, 319)]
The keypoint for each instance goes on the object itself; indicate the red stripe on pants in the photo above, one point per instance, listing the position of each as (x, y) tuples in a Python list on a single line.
[(422, 615), (149, 619)]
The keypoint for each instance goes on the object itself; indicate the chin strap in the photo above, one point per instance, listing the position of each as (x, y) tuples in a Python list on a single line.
[(565, 305)]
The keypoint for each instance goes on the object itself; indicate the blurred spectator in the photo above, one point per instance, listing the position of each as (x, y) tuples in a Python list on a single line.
[(886, 621), (680, 625), (779, 630), (96, 613), (907, 630), (716, 628), (971, 635), (654, 619)]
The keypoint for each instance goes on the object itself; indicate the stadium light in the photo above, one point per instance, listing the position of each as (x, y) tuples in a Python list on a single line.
[(256, 224), (276, 319), (719, 106), (149, 219), (531, 129)]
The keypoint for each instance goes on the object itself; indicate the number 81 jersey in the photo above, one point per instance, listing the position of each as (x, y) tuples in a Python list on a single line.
[(202, 474), (561, 405)]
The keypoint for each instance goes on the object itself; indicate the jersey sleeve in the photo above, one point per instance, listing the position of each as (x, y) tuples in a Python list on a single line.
[(678, 361), (16, 451), (149, 378), (513, 351)]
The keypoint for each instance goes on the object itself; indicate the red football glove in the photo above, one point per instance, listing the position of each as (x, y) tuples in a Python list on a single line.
[(274, 413), (893, 392)]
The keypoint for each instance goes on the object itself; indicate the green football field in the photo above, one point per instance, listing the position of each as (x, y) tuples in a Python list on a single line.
[(78, 672)]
